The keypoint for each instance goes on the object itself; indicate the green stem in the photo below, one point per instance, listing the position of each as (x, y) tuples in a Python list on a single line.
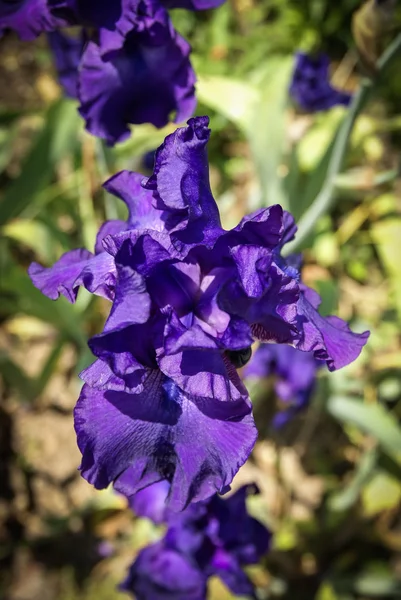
[(324, 201)]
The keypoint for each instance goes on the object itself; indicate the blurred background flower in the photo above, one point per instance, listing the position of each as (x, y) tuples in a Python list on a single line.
[(310, 86), (294, 375)]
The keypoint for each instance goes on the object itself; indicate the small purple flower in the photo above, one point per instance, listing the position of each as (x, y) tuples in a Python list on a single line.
[(310, 86), (217, 537), (163, 401), (142, 81), (294, 374)]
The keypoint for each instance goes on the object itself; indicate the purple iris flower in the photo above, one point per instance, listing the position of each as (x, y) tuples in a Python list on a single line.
[(144, 80), (133, 68), (163, 399), (294, 372), (310, 86), (217, 537)]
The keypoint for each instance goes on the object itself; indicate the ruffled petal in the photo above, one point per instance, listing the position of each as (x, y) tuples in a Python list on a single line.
[(273, 315), (330, 338), (196, 362), (180, 183), (142, 82), (141, 213), (162, 433), (100, 376), (73, 269), (28, 18)]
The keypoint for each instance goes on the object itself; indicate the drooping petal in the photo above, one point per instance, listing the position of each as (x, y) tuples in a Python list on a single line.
[(330, 338), (162, 433), (75, 268), (100, 376)]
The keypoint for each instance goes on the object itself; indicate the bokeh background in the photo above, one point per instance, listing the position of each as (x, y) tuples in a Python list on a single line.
[(330, 479)]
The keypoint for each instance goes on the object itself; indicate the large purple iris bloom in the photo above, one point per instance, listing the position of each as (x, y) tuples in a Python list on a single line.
[(294, 375), (133, 68), (216, 537), (310, 87), (163, 400)]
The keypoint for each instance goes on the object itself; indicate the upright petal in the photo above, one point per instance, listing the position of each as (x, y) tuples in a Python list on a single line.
[(180, 183), (139, 201)]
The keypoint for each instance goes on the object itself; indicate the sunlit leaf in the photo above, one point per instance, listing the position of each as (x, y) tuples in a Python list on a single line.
[(57, 138), (383, 492), (372, 419)]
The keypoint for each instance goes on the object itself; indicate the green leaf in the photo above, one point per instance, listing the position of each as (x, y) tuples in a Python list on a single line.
[(344, 499), (34, 235), (57, 138), (372, 419), (326, 592), (378, 581), (266, 128), (16, 378), (383, 492), (19, 295), (386, 235), (257, 107), (234, 99)]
